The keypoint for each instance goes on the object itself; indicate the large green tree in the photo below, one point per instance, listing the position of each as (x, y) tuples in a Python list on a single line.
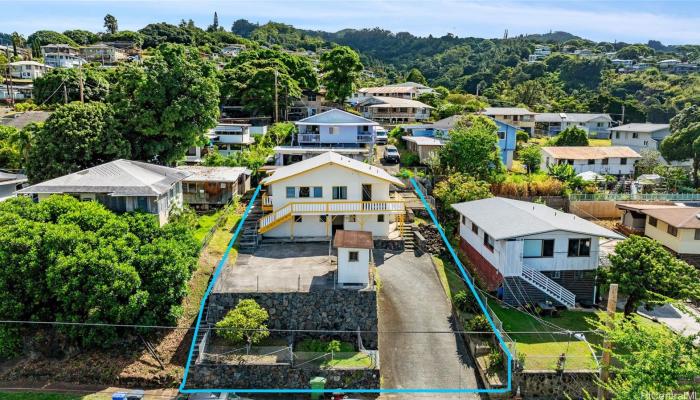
[(473, 148), (571, 136), (49, 88), (82, 37), (166, 107), (684, 141), (645, 271), (414, 75), (76, 136), (340, 69), (460, 187), (111, 24), (67, 260), (246, 323), (42, 38)]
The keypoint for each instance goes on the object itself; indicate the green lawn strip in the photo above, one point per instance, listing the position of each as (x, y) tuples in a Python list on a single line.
[(451, 281), (40, 396), (348, 361), (599, 142), (205, 223), (222, 236), (319, 346)]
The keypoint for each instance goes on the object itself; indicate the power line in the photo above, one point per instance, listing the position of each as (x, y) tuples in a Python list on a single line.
[(165, 327)]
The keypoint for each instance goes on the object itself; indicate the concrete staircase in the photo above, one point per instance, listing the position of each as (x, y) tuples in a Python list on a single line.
[(203, 334), (409, 243), (249, 241)]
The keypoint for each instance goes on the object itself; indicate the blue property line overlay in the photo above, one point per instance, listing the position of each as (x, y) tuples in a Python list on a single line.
[(509, 356)]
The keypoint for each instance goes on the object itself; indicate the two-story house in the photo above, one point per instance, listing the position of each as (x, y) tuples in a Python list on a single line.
[(426, 139), (121, 186), (232, 50), (676, 227), (530, 253), (317, 196), (230, 137), (61, 56), (404, 90), (213, 187), (595, 125), (393, 110), (523, 118), (103, 53), (639, 136), (10, 183), (611, 160), (28, 69), (336, 130)]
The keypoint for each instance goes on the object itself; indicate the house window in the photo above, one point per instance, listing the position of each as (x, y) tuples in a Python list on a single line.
[(653, 221), (352, 218), (298, 218), (380, 218), (475, 229), (501, 135), (353, 256), (291, 192), (697, 234), (488, 241), (605, 161), (333, 130), (464, 220), (623, 161), (304, 191), (318, 191), (556, 275), (617, 135), (533, 248), (672, 230), (635, 135), (340, 192), (591, 162), (322, 218), (579, 247)]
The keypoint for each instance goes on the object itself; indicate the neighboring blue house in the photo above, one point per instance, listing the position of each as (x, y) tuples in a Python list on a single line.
[(440, 131)]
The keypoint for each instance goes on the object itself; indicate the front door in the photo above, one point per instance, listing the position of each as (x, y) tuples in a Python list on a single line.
[(366, 192)]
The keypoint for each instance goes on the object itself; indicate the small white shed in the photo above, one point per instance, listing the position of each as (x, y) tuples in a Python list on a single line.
[(354, 248)]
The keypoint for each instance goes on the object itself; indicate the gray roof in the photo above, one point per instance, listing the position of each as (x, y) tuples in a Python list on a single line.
[(116, 178), (335, 117), (504, 218), (570, 117), (507, 111), (639, 127), (201, 173), (21, 120)]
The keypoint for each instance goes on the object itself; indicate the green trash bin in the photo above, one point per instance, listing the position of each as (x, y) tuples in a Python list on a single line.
[(317, 383)]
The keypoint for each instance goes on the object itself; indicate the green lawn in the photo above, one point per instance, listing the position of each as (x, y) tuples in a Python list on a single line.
[(542, 350), (449, 277), (599, 142), (205, 223), (348, 361)]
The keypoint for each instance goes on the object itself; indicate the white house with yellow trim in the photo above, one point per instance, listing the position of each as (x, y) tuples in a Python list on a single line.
[(315, 197)]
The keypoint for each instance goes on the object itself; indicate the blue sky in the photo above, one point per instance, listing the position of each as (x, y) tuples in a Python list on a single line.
[(672, 22)]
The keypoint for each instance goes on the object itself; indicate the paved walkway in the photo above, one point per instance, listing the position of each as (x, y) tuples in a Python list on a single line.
[(675, 319), (411, 299)]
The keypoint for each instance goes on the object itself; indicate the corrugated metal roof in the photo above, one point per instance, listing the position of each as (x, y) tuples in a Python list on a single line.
[(590, 152), (570, 117), (335, 117), (504, 218), (353, 239), (679, 217), (394, 102), (507, 111), (201, 173), (330, 158), (638, 127), (117, 178)]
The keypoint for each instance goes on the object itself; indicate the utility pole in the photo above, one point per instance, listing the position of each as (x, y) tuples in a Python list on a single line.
[(80, 80), (8, 82), (276, 106), (65, 93), (623, 115), (607, 345)]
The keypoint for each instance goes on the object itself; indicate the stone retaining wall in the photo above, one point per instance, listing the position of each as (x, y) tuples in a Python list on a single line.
[(389, 244), (326, 309), (277, 376), (552, 385)]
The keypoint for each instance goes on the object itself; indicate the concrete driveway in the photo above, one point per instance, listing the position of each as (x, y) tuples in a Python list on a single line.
[(392, 168), (412, 308)]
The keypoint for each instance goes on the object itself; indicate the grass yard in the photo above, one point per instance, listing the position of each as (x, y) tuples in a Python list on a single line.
[(599, 142), (542, 350), (449, 277), (348, 361), (205, 223)]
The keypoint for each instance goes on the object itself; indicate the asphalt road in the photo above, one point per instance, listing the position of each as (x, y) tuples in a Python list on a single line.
[(411, 299)]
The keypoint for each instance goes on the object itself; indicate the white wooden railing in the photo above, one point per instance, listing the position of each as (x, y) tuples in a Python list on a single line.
[(548, 286)]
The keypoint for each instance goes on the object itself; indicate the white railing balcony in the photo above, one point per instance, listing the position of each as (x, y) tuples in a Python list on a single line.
[(309, 138), (364, 138)]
